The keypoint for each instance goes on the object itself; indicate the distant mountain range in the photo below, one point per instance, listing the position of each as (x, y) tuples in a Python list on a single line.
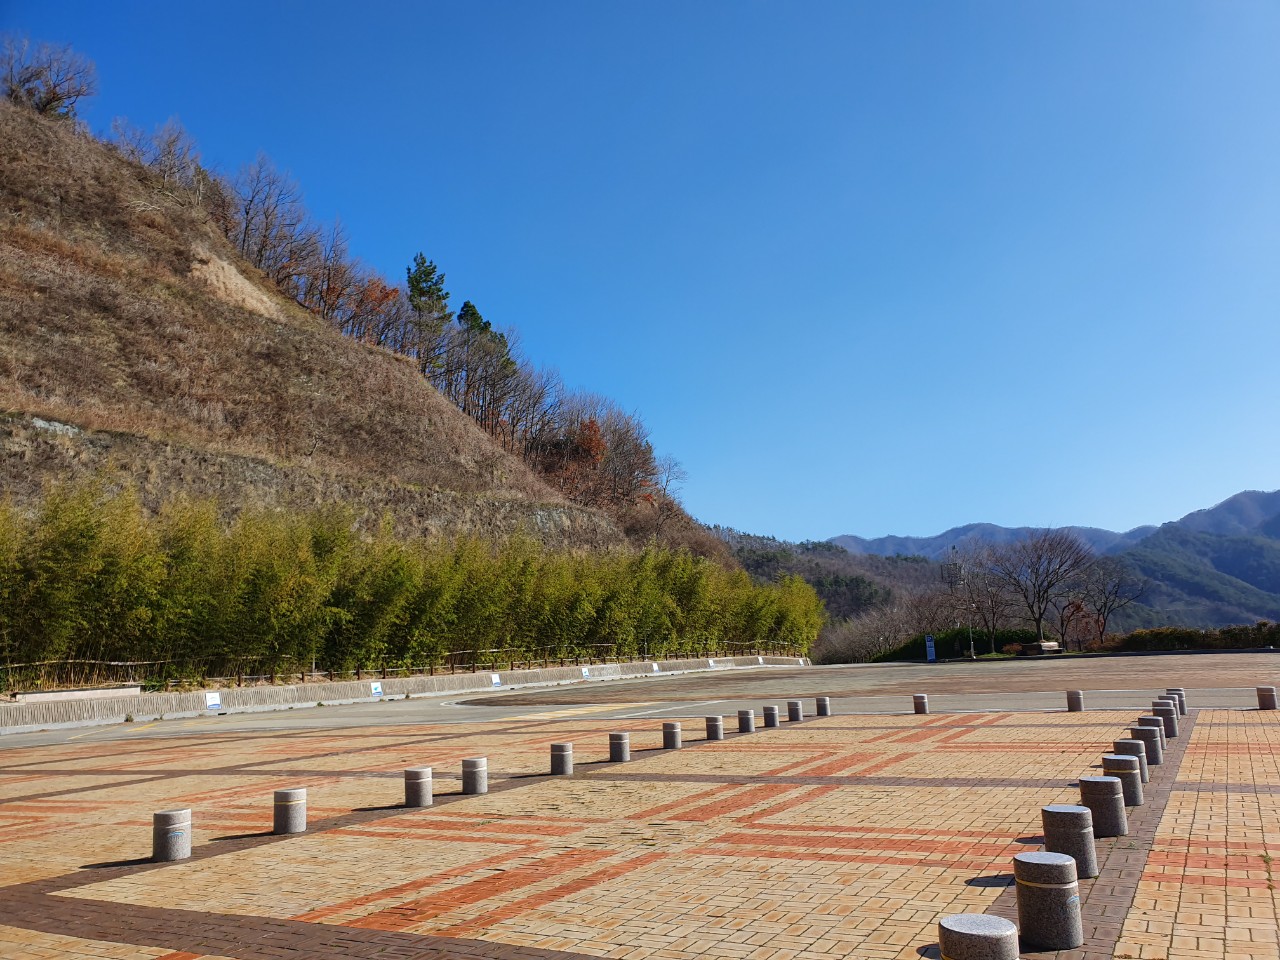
[(1211, 568)]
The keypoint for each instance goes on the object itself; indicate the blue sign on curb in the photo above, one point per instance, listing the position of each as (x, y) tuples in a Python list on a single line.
[(929, 650)]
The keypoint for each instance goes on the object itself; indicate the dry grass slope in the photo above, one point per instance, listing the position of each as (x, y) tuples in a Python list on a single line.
[(126, 316)]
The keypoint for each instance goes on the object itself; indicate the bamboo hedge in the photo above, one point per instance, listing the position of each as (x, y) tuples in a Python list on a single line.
[(91, 576)]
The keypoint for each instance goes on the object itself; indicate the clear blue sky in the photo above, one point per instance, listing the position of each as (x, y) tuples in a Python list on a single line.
[(861, 267)]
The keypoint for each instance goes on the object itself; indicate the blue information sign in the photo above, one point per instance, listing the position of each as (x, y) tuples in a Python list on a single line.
[(929, 650)]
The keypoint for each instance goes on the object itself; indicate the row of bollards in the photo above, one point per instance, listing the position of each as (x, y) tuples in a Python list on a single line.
[(171, 829), (1047, 883)]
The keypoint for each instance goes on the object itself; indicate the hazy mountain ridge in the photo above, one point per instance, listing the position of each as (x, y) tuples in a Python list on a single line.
[(1212, 567), (939, 546)]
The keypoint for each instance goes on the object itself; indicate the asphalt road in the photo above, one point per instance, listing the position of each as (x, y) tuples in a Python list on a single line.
[(1116, 683)]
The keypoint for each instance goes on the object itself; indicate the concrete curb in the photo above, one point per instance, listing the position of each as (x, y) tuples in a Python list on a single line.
[(28, 717)]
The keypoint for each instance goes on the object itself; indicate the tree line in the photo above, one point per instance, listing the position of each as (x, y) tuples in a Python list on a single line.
[(93, 577), (582, 444), (1046, 586)]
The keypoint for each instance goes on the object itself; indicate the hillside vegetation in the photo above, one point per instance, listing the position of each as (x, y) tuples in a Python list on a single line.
[(134, 342), (92, 582), (196, 331)]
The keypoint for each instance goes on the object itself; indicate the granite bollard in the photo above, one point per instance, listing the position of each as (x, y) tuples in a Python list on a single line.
[(562, 759), (417, 787), (1134, 748), (1048, 901), (619, 747), (1104, 796), (1075, 701), (823, 706), (795, 711), (746, 721), (1150, 738), (475, 775), (715, 728), (671, 735), (1068, 828), (920, 702), (770, 716), (1167, 710), (1181, 694), (1158, 724), (170, 835), (977, 936), (1127, 770), (290, 811), (1266, 698)]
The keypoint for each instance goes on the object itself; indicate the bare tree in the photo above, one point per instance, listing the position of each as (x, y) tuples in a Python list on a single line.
[(1108, 587), (1039, 569), (47, 79)]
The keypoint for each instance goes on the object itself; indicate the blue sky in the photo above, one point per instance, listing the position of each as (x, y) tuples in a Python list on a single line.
[(862, 268)]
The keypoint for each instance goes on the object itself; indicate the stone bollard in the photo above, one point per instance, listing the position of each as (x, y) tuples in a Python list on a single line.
[(1104, 796), (1127, 770), (170, 835), (1174, 701), (1158, 724), (715, 728), (562, 759), (977, 936), (417, 787), (1068, 828), (1134, 748), (1075, 701), (795, 710), (619, 747), (823, 705), (770, 716), (1167, 710), (1150, 738), (290, 814), (920, 701), (1266, 698), (1181, 694), (746, 721), (475, 775), (671, 735), (1048, 901)]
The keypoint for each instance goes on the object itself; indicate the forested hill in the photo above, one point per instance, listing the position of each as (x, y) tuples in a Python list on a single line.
[(849, 584), (1213, 567), (196, 333)]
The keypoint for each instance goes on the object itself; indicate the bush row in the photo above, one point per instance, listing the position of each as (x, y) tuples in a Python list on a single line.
[(92, 576)]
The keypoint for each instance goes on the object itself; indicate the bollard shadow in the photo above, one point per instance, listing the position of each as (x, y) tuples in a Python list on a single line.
[(933, 952), (379, 809), (137, 862), (243, 836), (1035, 840), (999, 880)]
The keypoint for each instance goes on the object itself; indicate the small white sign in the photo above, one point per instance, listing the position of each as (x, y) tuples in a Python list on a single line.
[(655, 668), (495, 679), (213, 700), (375, 689), (586, 672), (760, 660)]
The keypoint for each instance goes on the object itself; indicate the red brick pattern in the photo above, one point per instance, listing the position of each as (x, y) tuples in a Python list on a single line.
[(836, 837)]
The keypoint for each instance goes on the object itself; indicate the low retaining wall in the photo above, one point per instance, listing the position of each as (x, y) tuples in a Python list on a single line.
[(20, 717)]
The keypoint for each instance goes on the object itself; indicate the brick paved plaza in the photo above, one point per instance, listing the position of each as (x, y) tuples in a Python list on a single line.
[(836, 837)]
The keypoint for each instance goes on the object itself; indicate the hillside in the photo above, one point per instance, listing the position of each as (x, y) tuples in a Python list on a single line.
[(135, 342)]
